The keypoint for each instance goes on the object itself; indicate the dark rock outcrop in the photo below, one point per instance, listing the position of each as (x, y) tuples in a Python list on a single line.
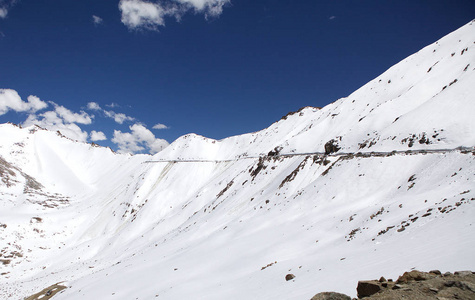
[(331, 147)]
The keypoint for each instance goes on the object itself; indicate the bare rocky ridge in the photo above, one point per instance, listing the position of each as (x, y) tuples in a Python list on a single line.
[(414, 285)]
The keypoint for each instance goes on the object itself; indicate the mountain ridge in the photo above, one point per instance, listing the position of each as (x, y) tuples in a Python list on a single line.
[(375, 183)]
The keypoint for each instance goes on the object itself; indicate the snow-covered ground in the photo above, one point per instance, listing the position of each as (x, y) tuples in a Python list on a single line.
[(228, 219)]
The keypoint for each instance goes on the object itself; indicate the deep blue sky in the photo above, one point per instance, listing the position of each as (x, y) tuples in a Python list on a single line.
[(221, 76)]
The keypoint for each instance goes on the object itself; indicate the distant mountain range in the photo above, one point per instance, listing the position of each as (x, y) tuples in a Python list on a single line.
[(377, 183)]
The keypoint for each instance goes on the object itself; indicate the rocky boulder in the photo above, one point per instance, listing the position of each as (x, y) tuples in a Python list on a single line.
[(368, 288), (414, 285), (417, 285)]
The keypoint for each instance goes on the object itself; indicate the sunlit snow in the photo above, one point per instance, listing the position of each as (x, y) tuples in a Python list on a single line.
[(228, 219)]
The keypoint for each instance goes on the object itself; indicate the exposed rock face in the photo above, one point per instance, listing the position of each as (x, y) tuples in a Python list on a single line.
[(331, 146)]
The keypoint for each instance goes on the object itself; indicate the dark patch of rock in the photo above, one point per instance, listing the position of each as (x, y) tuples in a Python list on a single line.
[(368, 288), (275, 152), (289, 277), (331, 146)]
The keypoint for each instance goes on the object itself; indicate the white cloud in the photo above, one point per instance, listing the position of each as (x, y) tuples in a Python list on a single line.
[(35, 104), (52, 121), (332, 18), (112, 105), (3, 12), (140, 14), (10, 100), (67, 122), (5, 5), (70, 117), (118, 117), (97, 20), (60, 119), (97, 136), (160, 126), (211, 8), (93, 106), (138, 140)]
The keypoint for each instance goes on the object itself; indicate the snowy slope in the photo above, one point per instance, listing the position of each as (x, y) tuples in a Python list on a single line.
[(206, 219), (411, 100)]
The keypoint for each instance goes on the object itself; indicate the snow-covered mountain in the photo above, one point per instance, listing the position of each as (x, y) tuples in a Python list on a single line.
[(376, 183)]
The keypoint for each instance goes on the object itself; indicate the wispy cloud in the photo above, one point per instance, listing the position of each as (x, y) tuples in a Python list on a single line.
[(139, 139), (10, 100), (160, 126), (117, 117), (210, 8), (93, 106), (332, 18), (97, 20), (140, 14), (112, 105), (3, 12), (5, 6)]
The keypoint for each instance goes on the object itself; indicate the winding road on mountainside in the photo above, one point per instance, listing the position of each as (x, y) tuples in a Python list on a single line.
[(461, 149)]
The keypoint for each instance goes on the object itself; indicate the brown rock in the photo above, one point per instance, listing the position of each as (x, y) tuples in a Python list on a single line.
[(463, 273), (396, 287), (367, 288), (289, 277), (414, 276), (429, 286)]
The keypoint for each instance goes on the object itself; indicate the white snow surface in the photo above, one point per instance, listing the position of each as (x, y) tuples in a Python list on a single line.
[(207, 219)]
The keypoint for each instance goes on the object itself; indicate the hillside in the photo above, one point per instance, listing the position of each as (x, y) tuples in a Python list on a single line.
[(377, 183)]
